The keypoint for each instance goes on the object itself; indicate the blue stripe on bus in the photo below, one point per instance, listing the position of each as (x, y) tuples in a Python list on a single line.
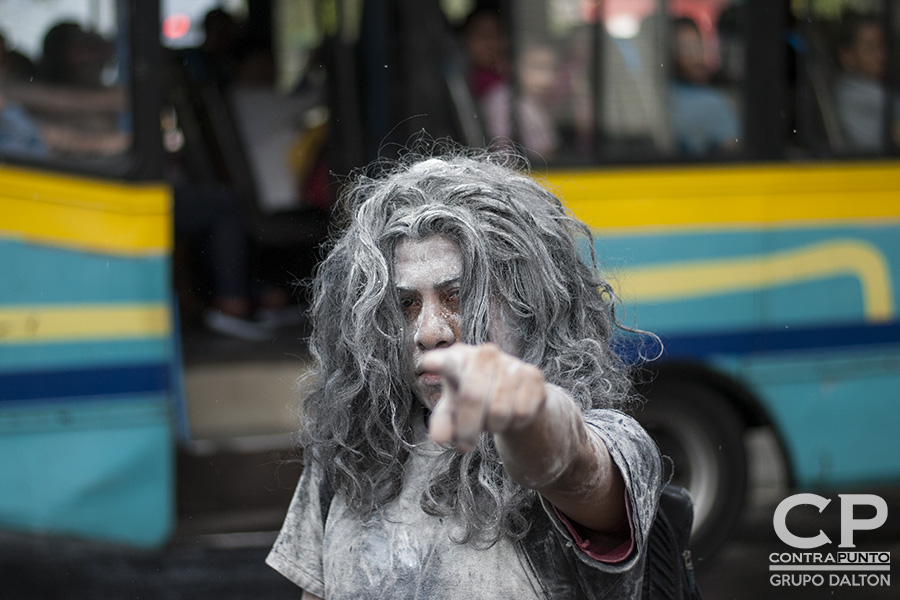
[(70, 384), (83, 355), (780, 339), (35, 274)]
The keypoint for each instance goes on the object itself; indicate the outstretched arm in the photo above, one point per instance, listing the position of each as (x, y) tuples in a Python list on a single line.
[(538, 429)]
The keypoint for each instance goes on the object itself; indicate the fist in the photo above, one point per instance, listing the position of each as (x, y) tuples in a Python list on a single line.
[(483, 390)]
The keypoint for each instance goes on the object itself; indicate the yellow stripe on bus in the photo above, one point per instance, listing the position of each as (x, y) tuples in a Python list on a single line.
[(75, 323), (647, 201), (84, 214), (681, 280)]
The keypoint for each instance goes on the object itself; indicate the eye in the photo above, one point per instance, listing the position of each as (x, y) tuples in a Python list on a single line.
[(409, 304), (451, 297)]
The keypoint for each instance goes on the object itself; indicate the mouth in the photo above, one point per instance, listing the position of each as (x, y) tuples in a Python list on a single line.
[(429, 378)]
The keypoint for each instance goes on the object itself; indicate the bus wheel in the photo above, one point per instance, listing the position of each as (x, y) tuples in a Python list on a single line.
[(700, 431)]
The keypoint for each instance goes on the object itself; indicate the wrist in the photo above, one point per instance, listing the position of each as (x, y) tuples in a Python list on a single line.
[(541, 453)]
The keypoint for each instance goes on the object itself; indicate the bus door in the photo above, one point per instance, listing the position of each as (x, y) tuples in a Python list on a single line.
[(86, 321)]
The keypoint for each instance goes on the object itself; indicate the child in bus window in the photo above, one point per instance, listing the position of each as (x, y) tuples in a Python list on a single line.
[(532, 124), (486, 47)]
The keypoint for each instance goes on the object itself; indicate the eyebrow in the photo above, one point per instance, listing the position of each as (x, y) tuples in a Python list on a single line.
[(439, 285)]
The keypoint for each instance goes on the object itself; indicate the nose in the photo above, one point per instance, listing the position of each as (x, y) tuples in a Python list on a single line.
[(434, 328)]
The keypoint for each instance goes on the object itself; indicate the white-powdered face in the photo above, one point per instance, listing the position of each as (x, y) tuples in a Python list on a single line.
[(427, 277), (428, 274)]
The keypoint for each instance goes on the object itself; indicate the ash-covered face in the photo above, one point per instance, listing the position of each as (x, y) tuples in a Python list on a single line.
[(427, 276), (428, 279)]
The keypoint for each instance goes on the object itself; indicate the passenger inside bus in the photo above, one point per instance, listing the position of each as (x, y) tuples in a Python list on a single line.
[(575, 109), (75, 99), (486, 46), (213, 251), (75, 57), (18, 131), (532, 123), (283, 132), (703, 119), (14, 66), (859, 90), (221, 34)]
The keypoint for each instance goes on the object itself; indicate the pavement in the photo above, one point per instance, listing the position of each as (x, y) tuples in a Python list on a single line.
[(741, 569), (231, 566), (36, 567)]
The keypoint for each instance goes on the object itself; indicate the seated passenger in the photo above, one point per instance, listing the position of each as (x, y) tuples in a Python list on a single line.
[(532, 125), (859, 90), (283, 133), (79, 110), (486, 47), (18, 132), (703, 119)]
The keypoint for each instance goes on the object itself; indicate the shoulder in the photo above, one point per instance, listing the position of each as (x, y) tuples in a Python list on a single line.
[(638, 459), (297, 552)]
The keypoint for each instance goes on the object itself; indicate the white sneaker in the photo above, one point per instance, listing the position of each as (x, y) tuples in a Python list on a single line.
[(287, 316), (243, 329)]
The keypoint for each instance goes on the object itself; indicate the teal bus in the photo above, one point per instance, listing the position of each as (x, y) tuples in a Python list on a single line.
[(756, 235), (86, 304)]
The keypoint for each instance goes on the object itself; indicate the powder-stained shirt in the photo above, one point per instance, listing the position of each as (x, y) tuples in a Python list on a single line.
[(404, 552)]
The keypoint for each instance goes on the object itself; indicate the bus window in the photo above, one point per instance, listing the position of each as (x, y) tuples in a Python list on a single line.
[(63, 82), (628, 81), (849, 99)]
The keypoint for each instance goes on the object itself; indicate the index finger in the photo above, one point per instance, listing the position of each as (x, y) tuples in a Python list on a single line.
[(447, 362), (442, 423)]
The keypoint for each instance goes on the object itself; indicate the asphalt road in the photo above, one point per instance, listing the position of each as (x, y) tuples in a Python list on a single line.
[(741, 569), (43, 568)]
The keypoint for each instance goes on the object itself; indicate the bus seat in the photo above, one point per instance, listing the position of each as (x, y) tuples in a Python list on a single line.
[(219, 152)]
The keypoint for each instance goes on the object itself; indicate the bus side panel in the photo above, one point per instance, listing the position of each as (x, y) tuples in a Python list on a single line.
[(823, 404), (86, 353), (804, 316), (99, 469)]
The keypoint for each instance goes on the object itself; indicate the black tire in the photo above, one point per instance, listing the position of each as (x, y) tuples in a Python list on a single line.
[(697, 427)]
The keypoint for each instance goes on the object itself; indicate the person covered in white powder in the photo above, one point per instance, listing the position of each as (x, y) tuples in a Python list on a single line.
[(463, 437)]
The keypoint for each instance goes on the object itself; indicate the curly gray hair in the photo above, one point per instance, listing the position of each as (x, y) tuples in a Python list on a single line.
[(519, 248)]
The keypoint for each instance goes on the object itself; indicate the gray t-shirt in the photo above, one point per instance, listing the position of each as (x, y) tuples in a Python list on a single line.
[(405, 553)]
